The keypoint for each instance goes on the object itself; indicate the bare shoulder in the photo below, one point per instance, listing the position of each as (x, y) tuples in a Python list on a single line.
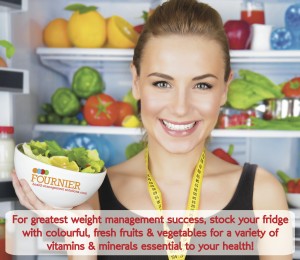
[(268, 192)]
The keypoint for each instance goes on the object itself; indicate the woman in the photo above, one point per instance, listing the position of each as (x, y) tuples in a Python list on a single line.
[(181, 72)]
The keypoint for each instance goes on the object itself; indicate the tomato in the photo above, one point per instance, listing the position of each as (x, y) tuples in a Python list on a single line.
[(100, 110), (292, 88), (124, 109)]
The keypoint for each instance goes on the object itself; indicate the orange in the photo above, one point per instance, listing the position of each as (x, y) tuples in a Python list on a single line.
[(2, 63), (55, 34), (120, 33), (87, 30)]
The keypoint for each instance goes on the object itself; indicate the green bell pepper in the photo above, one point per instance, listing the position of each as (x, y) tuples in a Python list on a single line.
[(87, 82), (65, 102)]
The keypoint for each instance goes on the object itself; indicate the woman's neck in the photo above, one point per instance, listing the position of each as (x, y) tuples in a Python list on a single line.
[(168, 167)]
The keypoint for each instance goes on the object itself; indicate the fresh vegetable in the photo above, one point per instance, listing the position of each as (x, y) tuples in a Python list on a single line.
[(134, 148), (291, 185), (76, 159), (251, 88), (100, 110), (124, 109), (87, 82), (292, 88), (131, 100), (238, 33), (53, 118), (9, 48), (65, 102), (262, 81), (226, 156)]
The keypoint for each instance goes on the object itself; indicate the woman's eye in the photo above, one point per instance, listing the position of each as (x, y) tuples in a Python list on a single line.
[(203, 86), (161, 84)]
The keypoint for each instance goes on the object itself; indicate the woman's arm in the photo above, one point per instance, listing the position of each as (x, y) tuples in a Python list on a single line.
[(269, 195)]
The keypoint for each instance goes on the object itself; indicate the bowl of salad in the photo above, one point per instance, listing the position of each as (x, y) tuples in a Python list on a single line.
[(59, 177)]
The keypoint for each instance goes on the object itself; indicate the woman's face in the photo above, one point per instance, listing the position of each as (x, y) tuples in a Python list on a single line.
[(181, 87)]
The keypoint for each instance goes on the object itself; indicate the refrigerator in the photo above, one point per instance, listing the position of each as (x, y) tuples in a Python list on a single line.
[(46, 69)]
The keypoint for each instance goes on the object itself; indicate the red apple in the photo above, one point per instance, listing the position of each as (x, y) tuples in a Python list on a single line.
[(239, 34)]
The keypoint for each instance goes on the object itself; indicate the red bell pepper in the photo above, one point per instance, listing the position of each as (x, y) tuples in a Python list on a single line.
[(226, 156), (292, 88)]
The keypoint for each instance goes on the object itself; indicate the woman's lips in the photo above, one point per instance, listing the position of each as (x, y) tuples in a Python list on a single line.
[(179, 129)]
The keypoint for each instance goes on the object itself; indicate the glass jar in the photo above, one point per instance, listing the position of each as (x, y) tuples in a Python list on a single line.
[(253, 12), (7, 146)]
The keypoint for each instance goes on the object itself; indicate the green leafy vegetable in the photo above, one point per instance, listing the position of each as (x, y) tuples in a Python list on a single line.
[(87, 160)]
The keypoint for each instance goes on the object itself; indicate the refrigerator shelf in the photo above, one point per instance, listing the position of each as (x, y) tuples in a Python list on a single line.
[(114, 130), (110, 130), (60, 58)]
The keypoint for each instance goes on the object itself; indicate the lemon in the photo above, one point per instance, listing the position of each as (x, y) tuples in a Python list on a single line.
[(131, 121), (63, 162), (120, 33), (87, 30)]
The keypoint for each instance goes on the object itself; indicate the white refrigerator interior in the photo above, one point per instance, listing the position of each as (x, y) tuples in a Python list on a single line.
[(50, 69)]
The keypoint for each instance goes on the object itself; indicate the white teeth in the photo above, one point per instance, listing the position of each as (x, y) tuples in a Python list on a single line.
[(178, 127)]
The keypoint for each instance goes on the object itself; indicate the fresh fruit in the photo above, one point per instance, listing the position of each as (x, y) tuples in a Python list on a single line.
[(86, 27), (239, 34), (131, 121), (226, 156), (55, 34), (292, 88), (120, 33), (100, 110), (63, 162), (87, 82), (3, 63), (131, 100), (139, 28), (124, 109)]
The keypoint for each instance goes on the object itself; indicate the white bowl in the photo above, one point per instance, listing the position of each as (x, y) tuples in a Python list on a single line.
[(57, 187), (293, 199)]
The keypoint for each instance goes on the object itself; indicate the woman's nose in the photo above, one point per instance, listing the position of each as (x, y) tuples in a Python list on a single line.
[(181, 103)]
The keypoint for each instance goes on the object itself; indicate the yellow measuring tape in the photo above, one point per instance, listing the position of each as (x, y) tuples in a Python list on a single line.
[(193, 201)]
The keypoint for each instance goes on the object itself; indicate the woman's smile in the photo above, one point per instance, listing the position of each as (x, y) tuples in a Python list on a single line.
[(178, 128)]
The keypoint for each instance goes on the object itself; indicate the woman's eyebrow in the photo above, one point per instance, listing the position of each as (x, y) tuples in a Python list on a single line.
[(208, 75), (161, 75), (165, 76)]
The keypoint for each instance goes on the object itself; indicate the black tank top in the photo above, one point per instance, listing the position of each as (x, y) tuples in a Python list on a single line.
[(241, 200)]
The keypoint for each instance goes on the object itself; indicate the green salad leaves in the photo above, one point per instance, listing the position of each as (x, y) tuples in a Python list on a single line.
[(76, 159)]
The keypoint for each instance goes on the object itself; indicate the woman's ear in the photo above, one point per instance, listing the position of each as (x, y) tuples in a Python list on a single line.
[(227, 83), (135, 82)]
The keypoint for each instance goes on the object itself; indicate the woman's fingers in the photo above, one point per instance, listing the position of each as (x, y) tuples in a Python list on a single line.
[(32, 199), (19, 191)]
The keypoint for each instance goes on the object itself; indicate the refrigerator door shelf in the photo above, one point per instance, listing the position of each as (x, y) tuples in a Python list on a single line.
[(14, 80), (13, 6)]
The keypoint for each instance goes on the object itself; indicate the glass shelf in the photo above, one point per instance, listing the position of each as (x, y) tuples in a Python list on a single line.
[(113, 130)]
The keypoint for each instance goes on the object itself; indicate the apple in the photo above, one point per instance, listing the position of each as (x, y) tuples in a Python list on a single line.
[(239, 34)]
